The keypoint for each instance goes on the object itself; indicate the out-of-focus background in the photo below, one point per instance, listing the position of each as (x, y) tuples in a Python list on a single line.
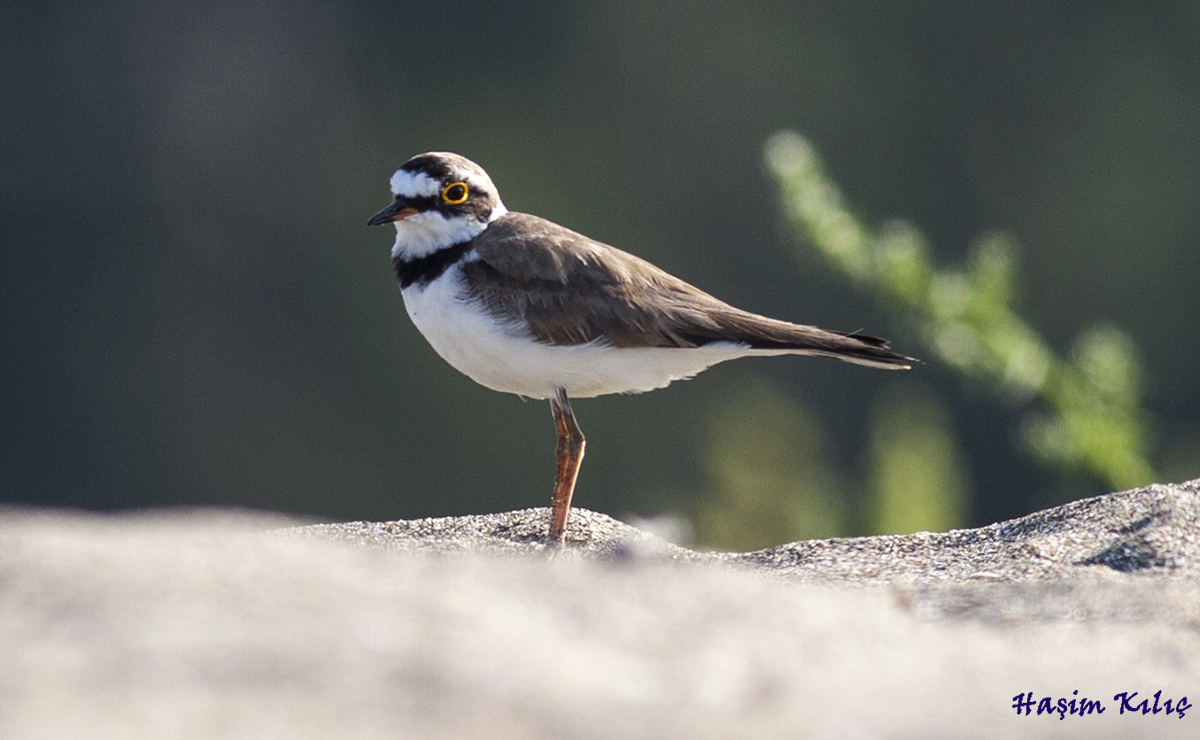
[(192, 310)]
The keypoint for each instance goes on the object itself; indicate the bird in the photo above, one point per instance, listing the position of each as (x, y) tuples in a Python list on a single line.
[(522, 305)]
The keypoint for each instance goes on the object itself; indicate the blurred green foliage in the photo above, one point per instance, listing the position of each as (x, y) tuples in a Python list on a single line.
[(918, 473), (769, 474), (1089, 415)]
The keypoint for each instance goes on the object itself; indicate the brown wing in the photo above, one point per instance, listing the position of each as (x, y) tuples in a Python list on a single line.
[(571, 289)]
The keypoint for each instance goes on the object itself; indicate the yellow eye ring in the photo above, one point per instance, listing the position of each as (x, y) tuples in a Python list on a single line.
[(455, 193)]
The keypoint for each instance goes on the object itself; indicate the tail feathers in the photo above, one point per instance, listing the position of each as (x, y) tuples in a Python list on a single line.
[(872, 352), (859, 349), (771, 335), (872, 357)]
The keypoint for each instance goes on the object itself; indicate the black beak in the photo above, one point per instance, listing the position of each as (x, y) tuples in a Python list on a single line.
[(397, 210)]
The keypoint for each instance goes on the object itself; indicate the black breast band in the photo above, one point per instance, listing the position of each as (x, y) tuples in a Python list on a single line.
[(424, 270)]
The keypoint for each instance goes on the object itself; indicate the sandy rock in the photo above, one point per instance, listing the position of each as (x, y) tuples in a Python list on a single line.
[(220, 625)]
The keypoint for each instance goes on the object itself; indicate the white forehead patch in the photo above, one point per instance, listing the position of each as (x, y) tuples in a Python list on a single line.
[(414, 184)]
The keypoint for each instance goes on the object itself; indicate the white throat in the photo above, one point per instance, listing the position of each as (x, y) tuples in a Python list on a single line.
[(425, 233)]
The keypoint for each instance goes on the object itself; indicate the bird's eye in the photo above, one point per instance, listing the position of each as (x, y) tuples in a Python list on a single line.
[(455, 193)]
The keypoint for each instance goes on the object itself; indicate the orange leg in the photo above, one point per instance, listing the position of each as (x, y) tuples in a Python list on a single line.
[(570, 455)]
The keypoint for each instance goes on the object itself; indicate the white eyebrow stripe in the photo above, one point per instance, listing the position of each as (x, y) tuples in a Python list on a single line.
[(414, 184), (477, 182)]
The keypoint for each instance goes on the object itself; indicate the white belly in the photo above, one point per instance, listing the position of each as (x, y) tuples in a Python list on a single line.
[(505, 358)]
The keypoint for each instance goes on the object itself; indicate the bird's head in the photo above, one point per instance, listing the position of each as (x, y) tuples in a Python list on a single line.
[(441, 199)]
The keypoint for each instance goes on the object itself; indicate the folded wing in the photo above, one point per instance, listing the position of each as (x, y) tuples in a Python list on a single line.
[(570, 289)]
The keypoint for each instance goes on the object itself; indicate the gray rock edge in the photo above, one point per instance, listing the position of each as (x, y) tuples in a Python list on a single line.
[(1104, 558)]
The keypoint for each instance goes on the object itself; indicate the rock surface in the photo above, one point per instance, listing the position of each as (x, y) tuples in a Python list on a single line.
[(224, 625)]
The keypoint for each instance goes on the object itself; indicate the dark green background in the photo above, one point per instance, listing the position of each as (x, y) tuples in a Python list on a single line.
[(192, 310)]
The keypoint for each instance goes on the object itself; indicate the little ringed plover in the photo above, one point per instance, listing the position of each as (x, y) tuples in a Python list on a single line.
[(522, 305)]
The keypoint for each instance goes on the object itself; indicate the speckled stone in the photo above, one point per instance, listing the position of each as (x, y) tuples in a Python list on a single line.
[(189, 625)]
